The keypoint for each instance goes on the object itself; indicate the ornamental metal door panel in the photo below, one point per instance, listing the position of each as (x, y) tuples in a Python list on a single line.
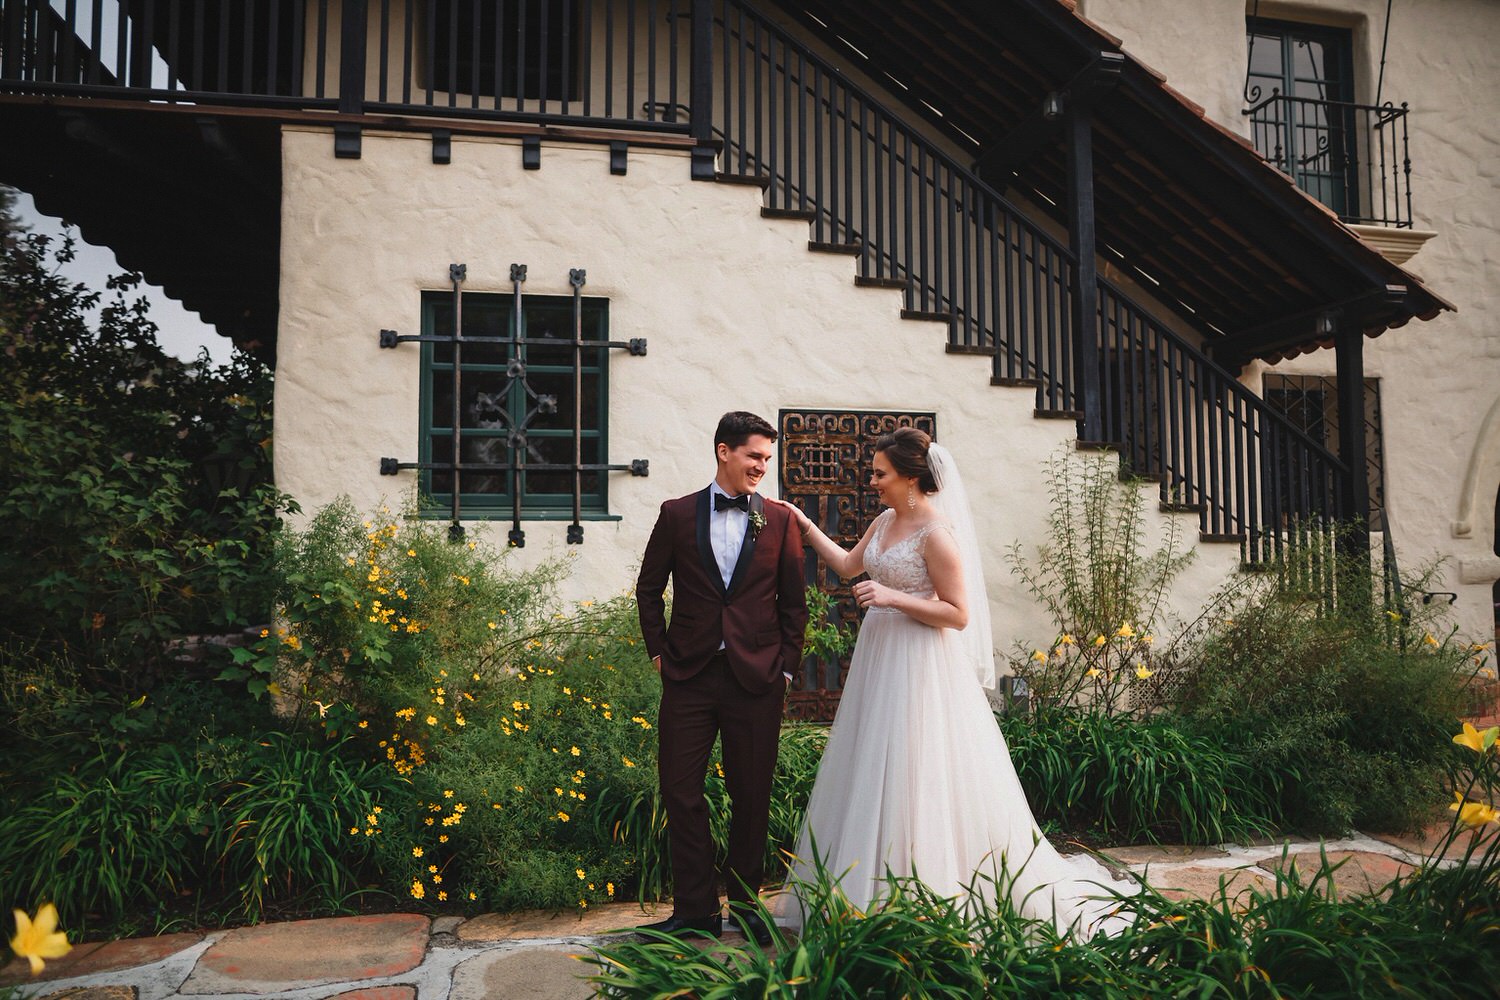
[(825, 470)]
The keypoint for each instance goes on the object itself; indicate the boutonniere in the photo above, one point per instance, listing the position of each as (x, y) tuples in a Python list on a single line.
[(757, 521)]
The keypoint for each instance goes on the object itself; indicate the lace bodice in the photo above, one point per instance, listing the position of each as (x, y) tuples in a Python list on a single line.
[(902, 566)]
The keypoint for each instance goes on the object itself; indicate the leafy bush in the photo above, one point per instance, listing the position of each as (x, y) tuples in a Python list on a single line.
[(1123, 780), (1103, 590), (1344, 703), (139, 485)]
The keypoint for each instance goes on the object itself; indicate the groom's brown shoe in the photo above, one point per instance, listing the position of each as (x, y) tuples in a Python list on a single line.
[(677, 926)]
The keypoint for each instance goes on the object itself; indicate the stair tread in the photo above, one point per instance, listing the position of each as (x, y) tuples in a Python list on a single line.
[(753, 180), (864, 282), (1041, 414), (802, 214), (936, 317), (978, 350), (1017, 383), (847, 248)]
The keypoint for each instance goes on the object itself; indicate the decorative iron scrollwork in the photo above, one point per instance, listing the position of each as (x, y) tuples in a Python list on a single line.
[(825, 470)]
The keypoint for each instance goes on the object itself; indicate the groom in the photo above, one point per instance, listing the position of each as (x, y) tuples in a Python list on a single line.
[(738, 617)]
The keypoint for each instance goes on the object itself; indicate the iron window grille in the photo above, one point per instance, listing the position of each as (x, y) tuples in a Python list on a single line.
[(1310, 402), (514, 405)]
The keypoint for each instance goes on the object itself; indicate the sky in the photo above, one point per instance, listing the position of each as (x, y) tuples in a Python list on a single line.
[(180, 332)]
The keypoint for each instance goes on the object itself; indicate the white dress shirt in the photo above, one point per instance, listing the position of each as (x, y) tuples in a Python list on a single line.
[(726, 532)]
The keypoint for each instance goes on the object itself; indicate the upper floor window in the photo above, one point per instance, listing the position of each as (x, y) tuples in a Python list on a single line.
[(1309, 128), (516, 405)]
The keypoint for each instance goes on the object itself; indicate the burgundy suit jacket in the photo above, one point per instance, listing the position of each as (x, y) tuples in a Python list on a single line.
[(761, 617)]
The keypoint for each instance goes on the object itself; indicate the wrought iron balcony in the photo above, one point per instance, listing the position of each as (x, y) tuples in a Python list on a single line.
[(1353, 158)]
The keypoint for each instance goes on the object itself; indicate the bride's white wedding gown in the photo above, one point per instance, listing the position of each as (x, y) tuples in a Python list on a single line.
[(917, 777)]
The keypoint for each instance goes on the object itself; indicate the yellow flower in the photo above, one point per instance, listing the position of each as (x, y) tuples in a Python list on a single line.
[(1066, 640), (432, 720), (1099, 640), (579, 873), (628, 762), (418, 890), (442, 838), (39, 939), (1141, 671), (471, 896), (411, 552), (1125, 631), (459, 719), (1469, 813), (609, 887), (1429, 639), (442, 896), (1039, 656), (1092, 672), (1394, 616), (416, 852), (447, 793), (563, 816), (574, 751), (1477, 740)]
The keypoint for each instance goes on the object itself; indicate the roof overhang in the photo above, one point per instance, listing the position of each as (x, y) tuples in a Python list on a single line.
[(1184, 207)]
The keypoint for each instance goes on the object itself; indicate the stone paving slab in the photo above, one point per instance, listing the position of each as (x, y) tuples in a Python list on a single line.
[(531, 924), (1200, 883), (378, 993), (94, 993), (1149, 854), (1361, 874), (101, 956), (273, 958), (533, 973)]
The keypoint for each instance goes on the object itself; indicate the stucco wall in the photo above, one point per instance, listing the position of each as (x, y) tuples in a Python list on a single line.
[(1438, 379), (738, 314)]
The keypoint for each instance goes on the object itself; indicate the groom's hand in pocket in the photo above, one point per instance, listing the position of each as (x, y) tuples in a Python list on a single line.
[(656, 662)]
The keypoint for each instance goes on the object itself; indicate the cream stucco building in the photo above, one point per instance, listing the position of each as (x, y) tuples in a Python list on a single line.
[(1036, 229)]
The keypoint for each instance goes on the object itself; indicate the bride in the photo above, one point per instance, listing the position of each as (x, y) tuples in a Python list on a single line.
[(916, 777)]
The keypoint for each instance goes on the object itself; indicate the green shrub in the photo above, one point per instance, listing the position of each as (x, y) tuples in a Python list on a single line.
[(137, 485), (1117, 780), (1346, 704)]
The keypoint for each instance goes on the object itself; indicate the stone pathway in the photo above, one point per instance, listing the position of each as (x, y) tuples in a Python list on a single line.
[(534, 955)]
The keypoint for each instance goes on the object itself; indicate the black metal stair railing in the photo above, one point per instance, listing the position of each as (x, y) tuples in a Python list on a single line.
[(920, 220)]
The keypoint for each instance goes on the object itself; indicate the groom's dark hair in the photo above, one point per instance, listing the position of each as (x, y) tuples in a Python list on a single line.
[(736, 426)]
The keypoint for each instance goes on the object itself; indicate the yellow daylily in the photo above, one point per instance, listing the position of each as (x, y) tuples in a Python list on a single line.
[(1125, 631), (38, 939), (1099, 640), (1429, 639), (1141, 671), (1092, 672), (1477, 740), (1472, 813), (1039, 656), (1066, 640)]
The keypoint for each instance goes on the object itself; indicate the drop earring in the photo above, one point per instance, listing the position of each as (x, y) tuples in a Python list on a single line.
[(911, 497)]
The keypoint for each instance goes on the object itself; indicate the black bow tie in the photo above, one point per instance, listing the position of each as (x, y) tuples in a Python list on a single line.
[(721, 502)]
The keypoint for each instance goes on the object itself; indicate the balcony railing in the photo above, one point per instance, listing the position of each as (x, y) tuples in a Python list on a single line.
[(1354, 158)]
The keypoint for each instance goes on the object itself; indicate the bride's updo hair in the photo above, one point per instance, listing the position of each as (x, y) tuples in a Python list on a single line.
[(906, 450)]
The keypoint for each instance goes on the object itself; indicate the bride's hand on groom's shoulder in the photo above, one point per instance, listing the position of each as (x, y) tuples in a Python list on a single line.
[(803, 521)]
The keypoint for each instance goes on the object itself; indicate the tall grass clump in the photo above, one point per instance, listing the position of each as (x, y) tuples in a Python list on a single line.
[(1429, 933)]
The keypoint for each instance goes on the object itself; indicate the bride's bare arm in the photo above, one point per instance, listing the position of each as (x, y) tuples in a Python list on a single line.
[(949, 609), (846, 564)]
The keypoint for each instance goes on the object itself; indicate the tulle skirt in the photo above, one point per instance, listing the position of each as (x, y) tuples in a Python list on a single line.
[(917, 779)]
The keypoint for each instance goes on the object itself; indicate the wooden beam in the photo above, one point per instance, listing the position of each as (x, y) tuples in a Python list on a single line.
[(1301, 327)]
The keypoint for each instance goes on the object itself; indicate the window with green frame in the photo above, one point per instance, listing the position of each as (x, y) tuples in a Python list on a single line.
[(506, 389)]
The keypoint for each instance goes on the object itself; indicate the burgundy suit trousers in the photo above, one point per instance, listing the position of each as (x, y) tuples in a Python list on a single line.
[(693, 712)]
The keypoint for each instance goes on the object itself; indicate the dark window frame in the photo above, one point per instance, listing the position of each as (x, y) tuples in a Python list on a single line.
[(496, 504), (1310, 403)]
